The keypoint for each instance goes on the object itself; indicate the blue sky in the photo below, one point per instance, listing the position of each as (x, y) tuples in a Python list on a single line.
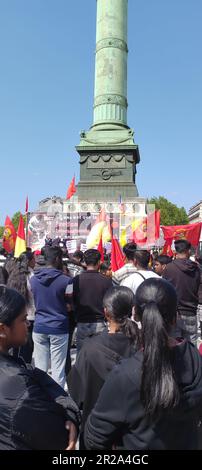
[(46, 96)]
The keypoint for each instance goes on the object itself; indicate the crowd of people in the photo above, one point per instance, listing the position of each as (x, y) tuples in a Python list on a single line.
[(137, 379)]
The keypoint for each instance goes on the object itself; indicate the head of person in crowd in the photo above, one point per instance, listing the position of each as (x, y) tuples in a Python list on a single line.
[(39, 258), (92, 259), (53, 257), (28, 257), (48, 241), (78, 257), (28, 249), (18, 276), (155, 308), (129, 251), (65, 269), (155, 255), (3, 252), (13, 322), (141, 259), (161, 263), (182, 249), (118, 305), (105, 270)]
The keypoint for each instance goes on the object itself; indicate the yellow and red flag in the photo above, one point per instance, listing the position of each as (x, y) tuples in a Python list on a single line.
[(146, 229), (9, 236), (20, 245), (100, 228)]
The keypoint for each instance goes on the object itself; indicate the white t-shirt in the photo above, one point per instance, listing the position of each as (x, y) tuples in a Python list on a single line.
[(134, 280)]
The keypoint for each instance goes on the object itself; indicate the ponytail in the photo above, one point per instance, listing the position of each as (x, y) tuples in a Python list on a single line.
[(130, 329), (119, 302), (159, 390)]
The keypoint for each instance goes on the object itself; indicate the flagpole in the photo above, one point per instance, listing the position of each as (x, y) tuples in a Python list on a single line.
[(26, 228)]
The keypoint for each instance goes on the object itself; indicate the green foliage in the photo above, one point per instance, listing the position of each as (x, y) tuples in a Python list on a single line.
[(1, 231), (15, 219), (170, 213)]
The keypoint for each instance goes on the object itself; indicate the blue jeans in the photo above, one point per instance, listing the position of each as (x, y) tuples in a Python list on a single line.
[(51, 348), (87, 329)]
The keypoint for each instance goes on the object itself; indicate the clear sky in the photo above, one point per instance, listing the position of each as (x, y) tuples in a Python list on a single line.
[(46, 96)]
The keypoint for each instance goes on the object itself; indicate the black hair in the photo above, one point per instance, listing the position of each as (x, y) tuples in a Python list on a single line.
[(92, 257), (27, 256), (10, 264), (119, 302), (164, 259), (3, 251), (11, 305), (156, 306), (129, 250), (51, 253), (142, 257), (18, 276), (78, 254), (181, 246), (104, 267), (3, 275), (43, 249)]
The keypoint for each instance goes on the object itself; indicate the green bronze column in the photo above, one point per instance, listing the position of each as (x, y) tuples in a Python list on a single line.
[(108, 153), (110, 100)]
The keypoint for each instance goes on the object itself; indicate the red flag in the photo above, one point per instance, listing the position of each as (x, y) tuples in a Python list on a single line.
[(167, 249), (9, 235), (71, 189), (157, 224), (26, 205), (190, 232), (101, 249), (153, 227), (117, 256)]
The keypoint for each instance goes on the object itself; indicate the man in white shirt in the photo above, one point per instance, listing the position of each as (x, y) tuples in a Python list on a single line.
[(129, 251), (141, 262)]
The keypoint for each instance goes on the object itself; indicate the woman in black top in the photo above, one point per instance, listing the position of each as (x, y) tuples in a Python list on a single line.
[(101, 352), (34, 411), (152, 400)]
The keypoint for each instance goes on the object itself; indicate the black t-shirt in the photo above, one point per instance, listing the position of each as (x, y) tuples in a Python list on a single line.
[(88, 290)]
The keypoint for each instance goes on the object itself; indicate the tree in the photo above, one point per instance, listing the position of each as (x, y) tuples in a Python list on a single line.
[(15, 219), (170, 213), (1, 231)]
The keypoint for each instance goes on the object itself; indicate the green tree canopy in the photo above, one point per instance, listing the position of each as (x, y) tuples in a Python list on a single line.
[(15, 219), (170, 213)]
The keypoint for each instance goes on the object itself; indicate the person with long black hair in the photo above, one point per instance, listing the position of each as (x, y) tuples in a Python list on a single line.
[(101, 352), (34, 410), (152, 400), (19, 279)]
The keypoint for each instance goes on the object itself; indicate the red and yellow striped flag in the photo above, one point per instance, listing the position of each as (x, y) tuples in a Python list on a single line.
[(20, 245)]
